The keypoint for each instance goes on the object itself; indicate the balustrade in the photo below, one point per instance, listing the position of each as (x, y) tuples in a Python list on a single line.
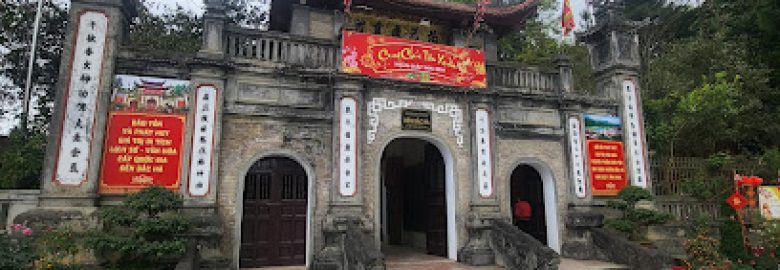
[(246, 45)]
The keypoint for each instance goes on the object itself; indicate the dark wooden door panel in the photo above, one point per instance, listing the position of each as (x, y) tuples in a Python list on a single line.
[(273, 231), (436, 233)]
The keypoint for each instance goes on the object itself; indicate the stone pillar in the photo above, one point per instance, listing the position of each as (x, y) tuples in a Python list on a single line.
[(348, 184), (72, 164), (565, 78), (490, 45), (484, 198), (202, 140), (213, 29), (614, 46), (299, 24)]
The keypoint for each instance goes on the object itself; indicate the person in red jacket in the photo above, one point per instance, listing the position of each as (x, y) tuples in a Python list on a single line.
[(522, 210)]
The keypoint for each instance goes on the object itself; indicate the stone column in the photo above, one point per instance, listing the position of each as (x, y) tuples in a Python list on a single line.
[(213, 29), (484, 205), (565, 78), (202, 139), (347, 191), (74, 151)]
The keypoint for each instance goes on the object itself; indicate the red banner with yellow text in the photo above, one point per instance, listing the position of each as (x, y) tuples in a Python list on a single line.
[(145, 134), (142, 150), (408, 60), (606, 161)]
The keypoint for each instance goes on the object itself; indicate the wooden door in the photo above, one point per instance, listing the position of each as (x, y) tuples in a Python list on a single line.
[(273, 228), (394, 205), (436, 221)]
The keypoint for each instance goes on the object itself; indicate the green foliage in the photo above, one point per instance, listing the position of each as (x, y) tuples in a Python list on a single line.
[(702, 252), (176, 30), (632, 194), (21, 161), (769, 235), (57, 248), (145, 232), (619, 224), (632, 217), (16, 17), (16, 249), (536, 45), (731, 240), (709, 68)]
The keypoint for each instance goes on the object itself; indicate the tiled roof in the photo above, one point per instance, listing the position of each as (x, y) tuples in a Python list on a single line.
[(502, 15)]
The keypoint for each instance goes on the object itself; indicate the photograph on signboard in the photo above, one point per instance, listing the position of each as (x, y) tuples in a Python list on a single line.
[(149, 95), (769, 200), (606, 161), (603, 127), (145, 134)]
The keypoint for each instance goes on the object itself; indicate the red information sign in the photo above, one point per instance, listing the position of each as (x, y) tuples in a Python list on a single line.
[(409, 60), (607, 167), (142, 150)]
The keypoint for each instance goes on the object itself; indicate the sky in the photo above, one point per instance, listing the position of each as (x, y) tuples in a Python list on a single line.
[(196, 6)]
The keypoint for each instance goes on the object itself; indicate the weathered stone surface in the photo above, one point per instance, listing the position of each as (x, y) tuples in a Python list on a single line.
[(517, 250), (584, 220), (622, 251)]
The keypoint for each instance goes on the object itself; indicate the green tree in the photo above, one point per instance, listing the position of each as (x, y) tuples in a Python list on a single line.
[(21, 162), (16, 21), (145, 232)]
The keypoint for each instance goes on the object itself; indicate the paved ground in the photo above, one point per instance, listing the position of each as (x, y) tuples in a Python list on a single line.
[(416, 260), (571, 264), (398, 258)]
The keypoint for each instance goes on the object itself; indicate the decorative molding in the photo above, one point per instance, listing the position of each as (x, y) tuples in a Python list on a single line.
[(202, 140), (576, 157), (377, 105), (81, 95)]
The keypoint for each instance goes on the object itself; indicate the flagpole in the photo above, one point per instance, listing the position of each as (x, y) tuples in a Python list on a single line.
[(30, 64)]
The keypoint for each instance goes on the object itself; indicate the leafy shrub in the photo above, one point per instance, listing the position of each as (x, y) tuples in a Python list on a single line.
[(633, 218), (145, 232), (702, 252), (57, 248), (16, 248)]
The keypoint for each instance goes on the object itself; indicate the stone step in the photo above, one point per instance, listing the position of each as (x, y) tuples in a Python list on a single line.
[(572, 264)]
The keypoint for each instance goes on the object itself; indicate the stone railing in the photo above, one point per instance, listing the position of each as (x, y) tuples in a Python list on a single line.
[(15, 201), (275, 47), (685, 208), (635, 256), (254, 46), (518, 250), (524, 79)]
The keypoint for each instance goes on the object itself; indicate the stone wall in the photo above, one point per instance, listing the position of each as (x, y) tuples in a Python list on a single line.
[(544, 155), (246, 139)]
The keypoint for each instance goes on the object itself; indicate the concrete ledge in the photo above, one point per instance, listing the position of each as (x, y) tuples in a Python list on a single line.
[(622, 251)]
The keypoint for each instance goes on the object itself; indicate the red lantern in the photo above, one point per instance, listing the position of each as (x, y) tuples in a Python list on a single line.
[(737, 201)]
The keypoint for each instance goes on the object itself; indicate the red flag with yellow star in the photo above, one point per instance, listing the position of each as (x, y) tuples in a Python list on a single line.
[(567, 19)]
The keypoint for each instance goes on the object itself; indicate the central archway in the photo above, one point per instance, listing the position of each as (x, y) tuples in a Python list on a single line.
[(417, 201)]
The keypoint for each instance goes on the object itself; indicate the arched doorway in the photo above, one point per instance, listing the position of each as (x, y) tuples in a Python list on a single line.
[(527, 187), (414, 198), (273, 224)]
